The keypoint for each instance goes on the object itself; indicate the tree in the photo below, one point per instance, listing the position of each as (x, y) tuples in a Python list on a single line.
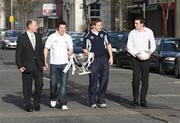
[(22, 8), (165, 13), (118, 6), (86, 11)]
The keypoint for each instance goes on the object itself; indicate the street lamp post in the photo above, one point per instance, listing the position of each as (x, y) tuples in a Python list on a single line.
[(144, 10), (12, 21)]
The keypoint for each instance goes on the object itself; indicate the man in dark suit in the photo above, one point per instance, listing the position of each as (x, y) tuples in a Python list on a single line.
[(30, 62)]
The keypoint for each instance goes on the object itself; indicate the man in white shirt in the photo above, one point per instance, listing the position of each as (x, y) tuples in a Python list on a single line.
[(141, 39), (61, 47)]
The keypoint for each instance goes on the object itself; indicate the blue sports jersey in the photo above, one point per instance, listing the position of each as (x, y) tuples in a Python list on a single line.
[(96, 43)]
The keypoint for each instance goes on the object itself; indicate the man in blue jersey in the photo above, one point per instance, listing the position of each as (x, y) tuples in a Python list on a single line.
[(96, 40)]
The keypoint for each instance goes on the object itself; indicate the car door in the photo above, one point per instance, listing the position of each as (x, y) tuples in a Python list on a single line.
[(123, 57), (154, 60)]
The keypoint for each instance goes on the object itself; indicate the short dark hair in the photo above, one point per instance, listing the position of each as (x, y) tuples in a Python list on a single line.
[(142, 20), (60, 22), (95, 21), (29, 22)]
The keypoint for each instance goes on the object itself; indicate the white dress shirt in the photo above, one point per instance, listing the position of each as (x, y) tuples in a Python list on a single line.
[(141, 41), (32, 38)]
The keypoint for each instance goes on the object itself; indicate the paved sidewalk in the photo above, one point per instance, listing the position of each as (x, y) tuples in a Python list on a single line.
[(163, 107)]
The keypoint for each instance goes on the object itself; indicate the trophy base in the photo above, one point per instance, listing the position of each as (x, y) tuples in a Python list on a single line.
[(83, 73)]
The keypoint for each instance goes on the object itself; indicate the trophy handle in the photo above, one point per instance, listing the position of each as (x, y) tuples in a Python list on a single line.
[(75, 59), (90, 58)]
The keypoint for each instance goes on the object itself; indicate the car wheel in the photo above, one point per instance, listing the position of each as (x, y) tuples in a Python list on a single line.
[(2, 47), (161, 70), (114, 60), (5, 48), (176, 70)]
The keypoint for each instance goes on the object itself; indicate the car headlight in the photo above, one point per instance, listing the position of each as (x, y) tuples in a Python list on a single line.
[(114, 50), (7, 41), (169, 59)]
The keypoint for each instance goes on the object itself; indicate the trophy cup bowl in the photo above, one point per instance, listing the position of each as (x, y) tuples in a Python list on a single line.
[(82, 60)]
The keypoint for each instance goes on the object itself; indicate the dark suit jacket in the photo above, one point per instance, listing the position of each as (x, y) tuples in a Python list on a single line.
[(25, 54)]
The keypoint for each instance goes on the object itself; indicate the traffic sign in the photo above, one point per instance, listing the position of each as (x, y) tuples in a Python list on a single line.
[(11, 19)]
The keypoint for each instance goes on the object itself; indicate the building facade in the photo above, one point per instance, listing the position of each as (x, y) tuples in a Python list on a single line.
[(119, 15), (74, 15), (2, 15), (177, 18), (45, 12), (160, 15)]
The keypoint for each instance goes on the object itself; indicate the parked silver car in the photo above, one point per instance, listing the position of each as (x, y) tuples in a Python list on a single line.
[(10, 38)]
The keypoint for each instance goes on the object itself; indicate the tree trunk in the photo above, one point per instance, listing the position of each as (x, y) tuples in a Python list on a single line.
[(86, 12)]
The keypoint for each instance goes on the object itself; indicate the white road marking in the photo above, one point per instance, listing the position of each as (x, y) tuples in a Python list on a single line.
[(9, 70), (46, 78), (176, 82), (165, 95)]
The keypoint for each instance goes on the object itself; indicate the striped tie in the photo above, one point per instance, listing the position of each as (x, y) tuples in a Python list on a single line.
[(33, 41)]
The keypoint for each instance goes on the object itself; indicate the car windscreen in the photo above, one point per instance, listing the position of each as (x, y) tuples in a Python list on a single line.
[(12, 34), (119, 36), (170, 45), (77, 40), (51, 32), (115, 42)]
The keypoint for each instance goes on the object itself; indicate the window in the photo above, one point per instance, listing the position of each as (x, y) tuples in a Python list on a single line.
[(95, 10), (171, 45)]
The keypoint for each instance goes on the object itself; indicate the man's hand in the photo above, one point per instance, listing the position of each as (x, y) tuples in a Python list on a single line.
[(22, 69), (86, 52), (46, 66), (137, 55), (149, 52), (110, 60)]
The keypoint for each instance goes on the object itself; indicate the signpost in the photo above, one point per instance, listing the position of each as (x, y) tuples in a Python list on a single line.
[(11, 19)]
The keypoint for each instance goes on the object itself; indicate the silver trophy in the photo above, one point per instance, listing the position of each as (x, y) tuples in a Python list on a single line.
[(83, 62)]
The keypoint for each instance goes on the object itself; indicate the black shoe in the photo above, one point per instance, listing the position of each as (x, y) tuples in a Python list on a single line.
[(37, 107), (29, 108), (134, 102), (143, 103)]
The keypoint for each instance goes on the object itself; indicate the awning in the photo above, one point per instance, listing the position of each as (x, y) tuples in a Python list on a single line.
[(152, 7), (138, 10), (135, 11), (49, 17)]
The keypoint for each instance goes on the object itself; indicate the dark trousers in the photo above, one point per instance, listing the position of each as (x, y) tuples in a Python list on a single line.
[(140, 75), (27, 81), (99, 71)]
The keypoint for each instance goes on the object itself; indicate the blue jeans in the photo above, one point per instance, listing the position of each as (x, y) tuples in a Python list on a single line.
[(58, 83)]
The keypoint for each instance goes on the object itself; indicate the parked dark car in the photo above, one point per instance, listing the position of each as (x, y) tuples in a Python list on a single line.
[(117, 39), (77, 43), (177, 66), (164, 56), (45, 34), (72, 33), (123, 57)]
